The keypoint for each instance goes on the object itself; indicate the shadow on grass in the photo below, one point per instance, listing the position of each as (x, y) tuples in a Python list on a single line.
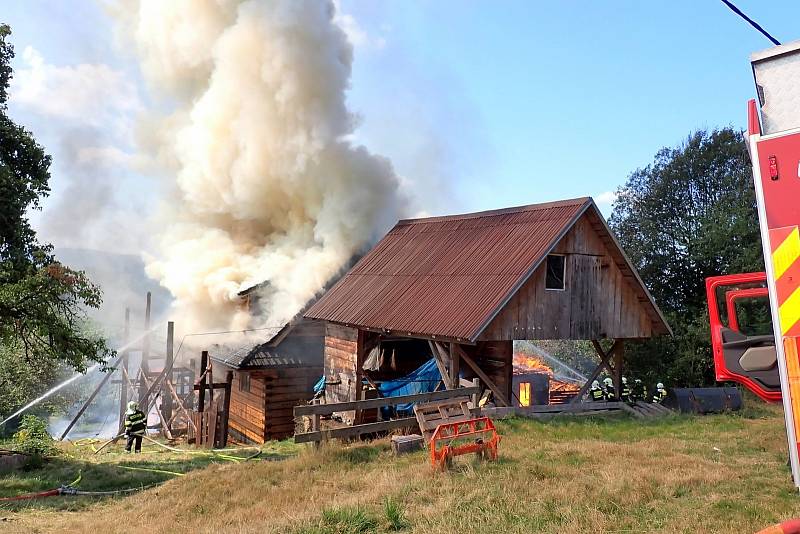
[(107, 472)]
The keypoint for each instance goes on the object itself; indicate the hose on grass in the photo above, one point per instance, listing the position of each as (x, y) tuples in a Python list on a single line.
[(213, 452), (132, 468)]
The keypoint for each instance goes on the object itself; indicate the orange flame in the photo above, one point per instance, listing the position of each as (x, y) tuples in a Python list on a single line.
[(524, 363)]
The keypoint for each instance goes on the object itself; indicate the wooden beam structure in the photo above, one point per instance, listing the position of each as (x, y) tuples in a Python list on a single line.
[(166, 399), (123, 385), (441, 364), (499, 395), (327, 409), (605, 357)]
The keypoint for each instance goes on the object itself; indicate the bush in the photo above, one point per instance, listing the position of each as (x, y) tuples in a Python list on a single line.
[(33, 438)]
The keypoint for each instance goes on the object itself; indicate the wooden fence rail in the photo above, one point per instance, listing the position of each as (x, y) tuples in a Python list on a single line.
[(317, 410)]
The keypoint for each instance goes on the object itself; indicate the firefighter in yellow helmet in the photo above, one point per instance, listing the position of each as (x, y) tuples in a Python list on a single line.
[(611, 395), (625, 394), (135, 426), (596, 393), (660, 394)]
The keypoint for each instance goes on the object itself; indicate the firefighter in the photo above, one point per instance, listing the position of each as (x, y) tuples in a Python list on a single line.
[(596, 393), (609, 387), (661, 393), (625, 394), (639, 391), (135, 426)]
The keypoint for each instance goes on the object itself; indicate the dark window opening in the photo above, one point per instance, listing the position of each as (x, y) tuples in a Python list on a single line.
[(556, 270), (244, 382)]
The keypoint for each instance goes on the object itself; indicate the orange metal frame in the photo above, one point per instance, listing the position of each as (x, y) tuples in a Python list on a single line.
[(481, 428)]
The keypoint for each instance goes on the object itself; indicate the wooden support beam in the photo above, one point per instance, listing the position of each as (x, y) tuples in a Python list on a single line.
[(166, 400), (123, 385), (144, 363), (440, 363), (500, 395), (604, 358), (164, 427), (619, 353), (455, 365), (201, 400), (226, 407), (179, 404), (361, 353)]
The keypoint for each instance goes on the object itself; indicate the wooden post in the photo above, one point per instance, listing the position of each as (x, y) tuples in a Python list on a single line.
[(166, 405), (123, 384), (201, 397), (190, 398), (619, 352), (361, 340), (455, 365), (315, 427), (226, 407), (143, 400), (476, 397)]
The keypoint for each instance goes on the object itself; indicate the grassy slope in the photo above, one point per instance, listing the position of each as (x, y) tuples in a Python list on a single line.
[(615, 475)]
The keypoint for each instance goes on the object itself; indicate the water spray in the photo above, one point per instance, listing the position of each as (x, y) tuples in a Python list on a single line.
[(72, 379)]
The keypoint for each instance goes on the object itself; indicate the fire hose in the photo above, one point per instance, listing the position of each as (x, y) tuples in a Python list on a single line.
[(219, 453), (70, 489)]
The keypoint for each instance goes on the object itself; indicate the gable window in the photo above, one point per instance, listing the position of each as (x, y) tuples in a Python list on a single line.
[(244, 382), (556, 271)]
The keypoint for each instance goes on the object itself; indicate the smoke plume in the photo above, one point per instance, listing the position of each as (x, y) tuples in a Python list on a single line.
[(267, 185)]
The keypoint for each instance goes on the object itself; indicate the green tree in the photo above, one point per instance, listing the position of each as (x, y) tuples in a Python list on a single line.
[(42, 321), (689, 215)]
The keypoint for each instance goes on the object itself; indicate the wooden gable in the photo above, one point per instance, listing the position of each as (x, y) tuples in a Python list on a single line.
[(600, 298)]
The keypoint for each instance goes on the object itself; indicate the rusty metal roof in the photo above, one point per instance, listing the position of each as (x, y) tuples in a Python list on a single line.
[(448, 277)]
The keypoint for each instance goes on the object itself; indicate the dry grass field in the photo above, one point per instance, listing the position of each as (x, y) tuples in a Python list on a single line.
[(724, 473)]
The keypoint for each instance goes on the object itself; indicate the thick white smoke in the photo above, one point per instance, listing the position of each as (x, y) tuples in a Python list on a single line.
[(267, 186)]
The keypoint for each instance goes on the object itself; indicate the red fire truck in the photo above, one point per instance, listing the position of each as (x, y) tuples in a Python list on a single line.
[(767, 360)]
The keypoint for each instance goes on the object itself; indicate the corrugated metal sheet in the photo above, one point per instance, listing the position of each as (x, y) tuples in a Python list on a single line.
[(447, 276)]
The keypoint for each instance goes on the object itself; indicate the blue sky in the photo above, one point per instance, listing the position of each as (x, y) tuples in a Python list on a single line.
[(478, 104)]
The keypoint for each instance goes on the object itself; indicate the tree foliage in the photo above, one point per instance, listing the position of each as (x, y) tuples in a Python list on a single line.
[(42, 302), (689, 215)]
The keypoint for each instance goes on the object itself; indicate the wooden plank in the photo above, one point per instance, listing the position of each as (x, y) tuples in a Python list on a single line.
[(326, 409), (572, 407), (483, 376), (353, 431)]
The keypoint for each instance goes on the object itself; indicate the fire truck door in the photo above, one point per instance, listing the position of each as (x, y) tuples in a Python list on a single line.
[(741, 333)]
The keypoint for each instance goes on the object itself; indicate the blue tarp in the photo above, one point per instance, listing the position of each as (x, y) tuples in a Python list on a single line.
[(423, 380)]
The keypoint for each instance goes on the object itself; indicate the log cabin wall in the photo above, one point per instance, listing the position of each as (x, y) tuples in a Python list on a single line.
[(341, 352), (246, 417), (598, 300), (285, 388), (262, 401)]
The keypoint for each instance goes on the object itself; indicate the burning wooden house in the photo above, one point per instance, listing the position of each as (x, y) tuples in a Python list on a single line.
[(462, 288), (271, 377)]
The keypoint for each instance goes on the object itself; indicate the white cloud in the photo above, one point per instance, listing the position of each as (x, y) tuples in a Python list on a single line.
[(83, 94), (606, 198)]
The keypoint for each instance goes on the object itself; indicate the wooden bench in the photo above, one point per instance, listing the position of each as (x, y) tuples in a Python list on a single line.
[(432, 414)]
